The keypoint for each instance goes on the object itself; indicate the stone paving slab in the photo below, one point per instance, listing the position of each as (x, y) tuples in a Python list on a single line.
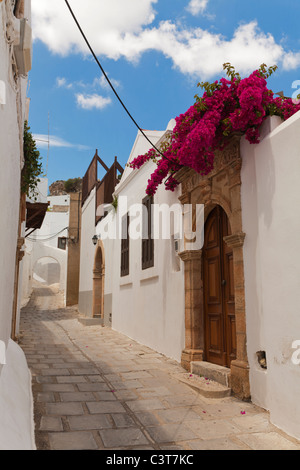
[(96, 389)]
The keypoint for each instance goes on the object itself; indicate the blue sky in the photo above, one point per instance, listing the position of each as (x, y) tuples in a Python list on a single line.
[(155, 52)]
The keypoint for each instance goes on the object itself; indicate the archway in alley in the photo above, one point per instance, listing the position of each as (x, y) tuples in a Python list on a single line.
[(98, 281), (47, 271)]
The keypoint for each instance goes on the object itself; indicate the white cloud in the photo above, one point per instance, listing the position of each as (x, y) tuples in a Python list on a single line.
[(124, 28), (103, 83), (62, 83), (93, 101), (55, 141), (200, 53), (106, 23), (197, 6), (291, 61)]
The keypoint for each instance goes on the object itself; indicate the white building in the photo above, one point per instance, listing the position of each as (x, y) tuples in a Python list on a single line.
[(144, 306), (169, 305), (46, 250), (270, 200), (16, 423)]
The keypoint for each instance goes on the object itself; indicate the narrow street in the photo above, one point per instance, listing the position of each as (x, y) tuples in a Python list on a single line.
[(95, 389)]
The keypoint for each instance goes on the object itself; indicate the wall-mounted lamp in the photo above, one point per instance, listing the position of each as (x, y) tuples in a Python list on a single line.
[(95, 239)]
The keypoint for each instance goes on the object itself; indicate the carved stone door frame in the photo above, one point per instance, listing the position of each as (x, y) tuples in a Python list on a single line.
[(220, 187), (98, 281)]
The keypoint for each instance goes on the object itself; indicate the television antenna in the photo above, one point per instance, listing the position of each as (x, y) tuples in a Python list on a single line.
[(48, 142)]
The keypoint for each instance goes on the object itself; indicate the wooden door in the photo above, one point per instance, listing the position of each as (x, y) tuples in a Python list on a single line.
[(218, 284)]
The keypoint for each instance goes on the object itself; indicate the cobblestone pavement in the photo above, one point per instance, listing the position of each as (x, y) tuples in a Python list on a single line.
[(96, 389)]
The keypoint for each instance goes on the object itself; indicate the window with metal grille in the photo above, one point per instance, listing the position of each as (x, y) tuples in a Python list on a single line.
[(147, 241), (125, 246)]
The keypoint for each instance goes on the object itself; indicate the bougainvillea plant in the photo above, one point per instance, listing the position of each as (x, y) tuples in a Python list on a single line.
[(228, 106)]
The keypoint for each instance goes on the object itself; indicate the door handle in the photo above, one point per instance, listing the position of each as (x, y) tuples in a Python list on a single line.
[(223, 282)]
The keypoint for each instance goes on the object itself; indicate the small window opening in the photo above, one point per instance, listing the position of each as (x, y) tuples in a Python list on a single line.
[(62, 243), (261, 358)]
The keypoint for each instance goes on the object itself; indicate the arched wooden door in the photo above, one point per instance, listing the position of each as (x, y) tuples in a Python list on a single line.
[(98, 283), (218, 284)]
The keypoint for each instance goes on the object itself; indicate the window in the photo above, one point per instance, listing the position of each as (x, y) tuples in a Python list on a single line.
[(147, 241), (125, 246), (62, 243)]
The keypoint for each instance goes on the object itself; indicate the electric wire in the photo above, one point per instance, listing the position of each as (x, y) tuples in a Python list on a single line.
[(48, 238), (109, 82)]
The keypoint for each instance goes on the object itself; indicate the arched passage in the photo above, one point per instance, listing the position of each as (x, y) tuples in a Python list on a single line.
[(98, 282), (47, 270)]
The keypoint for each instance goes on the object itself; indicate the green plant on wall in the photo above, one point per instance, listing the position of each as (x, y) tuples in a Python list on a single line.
[(73, 185), (115, 203), (32, 169)]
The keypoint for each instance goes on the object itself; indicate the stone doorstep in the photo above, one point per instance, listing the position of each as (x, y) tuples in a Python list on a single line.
[(204, 385), (214, 372), (208, 379), (91, 321)]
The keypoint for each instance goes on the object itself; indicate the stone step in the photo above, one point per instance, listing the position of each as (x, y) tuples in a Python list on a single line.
[(214, 372), (90, 321), (204, 386)]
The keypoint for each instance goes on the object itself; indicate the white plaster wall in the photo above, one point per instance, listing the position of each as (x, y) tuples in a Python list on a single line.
[(148, 305), (41, 192), (63, 200), (87, 254), (26, 275), (16, 403), (42, 252), (16, 426), (9, 185), (270, 201), (54, 226), (51, 254)]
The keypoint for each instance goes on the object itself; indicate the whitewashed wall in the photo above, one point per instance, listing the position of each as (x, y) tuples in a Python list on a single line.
[(87, 254), (16, 426), (270, 207), (43, 260), (148, 305)]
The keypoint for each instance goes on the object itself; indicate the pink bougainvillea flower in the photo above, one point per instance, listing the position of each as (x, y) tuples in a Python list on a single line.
[(243, 412), (227, 106)]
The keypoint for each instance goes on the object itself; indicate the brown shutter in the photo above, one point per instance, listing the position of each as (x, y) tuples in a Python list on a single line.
[(147, 241), (125, 246)]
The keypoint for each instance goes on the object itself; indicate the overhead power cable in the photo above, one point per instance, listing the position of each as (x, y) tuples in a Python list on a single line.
[(51, 237), (109, 82)]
